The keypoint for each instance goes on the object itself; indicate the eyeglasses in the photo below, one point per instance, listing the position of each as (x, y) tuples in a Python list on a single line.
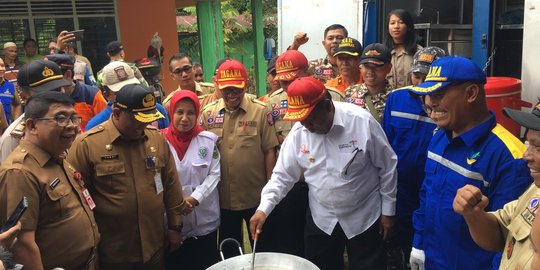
[(63, 120), (185, 69)]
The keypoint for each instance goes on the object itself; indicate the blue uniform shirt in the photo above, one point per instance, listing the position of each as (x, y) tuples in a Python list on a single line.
[(409, 131), (488, 157), (7, 92), (105, 114)]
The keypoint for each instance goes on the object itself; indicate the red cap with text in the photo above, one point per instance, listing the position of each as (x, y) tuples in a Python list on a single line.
[(302, 96), (289, 64), (231, 74)]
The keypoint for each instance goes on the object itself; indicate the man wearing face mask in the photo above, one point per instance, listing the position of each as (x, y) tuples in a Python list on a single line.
[(247, 143)]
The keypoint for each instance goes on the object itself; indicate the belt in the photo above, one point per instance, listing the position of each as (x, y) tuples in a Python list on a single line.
[(90, 261)]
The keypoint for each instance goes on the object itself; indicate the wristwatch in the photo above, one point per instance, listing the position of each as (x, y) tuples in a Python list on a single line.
[(177, 228)]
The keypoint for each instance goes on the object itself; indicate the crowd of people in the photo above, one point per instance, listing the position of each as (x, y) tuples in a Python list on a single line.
[(387, 152)]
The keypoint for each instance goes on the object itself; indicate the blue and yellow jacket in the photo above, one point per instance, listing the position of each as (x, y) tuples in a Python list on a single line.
[(488, 157)]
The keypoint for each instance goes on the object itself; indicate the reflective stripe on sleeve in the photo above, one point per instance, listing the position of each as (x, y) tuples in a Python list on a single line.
[(412, 116), (457, 168)]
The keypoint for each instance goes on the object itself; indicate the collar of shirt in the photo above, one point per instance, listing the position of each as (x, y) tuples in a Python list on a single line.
[(338, 119), (35, 151), (198, 89), (113, 132), (243, 104), (470, 137)]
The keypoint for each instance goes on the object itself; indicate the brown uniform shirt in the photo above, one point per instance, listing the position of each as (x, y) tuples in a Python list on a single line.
[(277, 101), (400, 75), (125, 177), (65, 230), (515, 220), (243, 135)]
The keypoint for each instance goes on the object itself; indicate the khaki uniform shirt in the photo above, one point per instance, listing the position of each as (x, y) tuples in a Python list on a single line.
[(400, 76), (322, 70), (277, 101), (201, 89), (515, 220), (81, 58), (134, 183), (243, 136), (359, 95), (65, 230), (11, 137)]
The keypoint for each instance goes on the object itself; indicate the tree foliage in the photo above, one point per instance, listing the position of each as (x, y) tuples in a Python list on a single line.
[(233, 31)]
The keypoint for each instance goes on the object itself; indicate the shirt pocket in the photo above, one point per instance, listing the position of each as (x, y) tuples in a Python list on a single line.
[(519, 231), (351, 164), (108, 175), (59, 200), (247, 136)]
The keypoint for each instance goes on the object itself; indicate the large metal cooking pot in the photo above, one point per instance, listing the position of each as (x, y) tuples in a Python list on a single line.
[(263, 261)]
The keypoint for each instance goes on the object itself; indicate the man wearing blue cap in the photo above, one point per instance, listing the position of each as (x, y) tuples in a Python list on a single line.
[(469, 148)]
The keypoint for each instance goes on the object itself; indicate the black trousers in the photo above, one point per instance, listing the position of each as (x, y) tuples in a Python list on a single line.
[(284, 228), (231, 227), (197, 253), (365, 251)]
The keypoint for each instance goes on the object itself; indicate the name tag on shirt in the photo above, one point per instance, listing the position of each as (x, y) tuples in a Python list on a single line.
[(159, 184), (89, 201)]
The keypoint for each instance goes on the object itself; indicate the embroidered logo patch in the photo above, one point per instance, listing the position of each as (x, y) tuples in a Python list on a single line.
[(203, 151)]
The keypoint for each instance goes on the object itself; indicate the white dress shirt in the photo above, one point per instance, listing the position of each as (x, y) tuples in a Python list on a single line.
[(199, 174), (350, 171)]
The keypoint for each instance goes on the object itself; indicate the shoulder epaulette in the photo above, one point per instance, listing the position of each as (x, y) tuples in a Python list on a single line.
[(18, 131), (276, 93), (258, 102), (18, 158), (332, 89), (213, 103), (92, 131), (206, 84)]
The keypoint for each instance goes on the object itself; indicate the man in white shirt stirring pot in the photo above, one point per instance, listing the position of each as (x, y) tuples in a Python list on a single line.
[(350, 170)]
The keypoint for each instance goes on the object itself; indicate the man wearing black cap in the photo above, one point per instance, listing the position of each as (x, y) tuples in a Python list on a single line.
[(508, 228), (89, 101), (36, 76), (373, 92), (132, 177), (115, 51), (347, 54)]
